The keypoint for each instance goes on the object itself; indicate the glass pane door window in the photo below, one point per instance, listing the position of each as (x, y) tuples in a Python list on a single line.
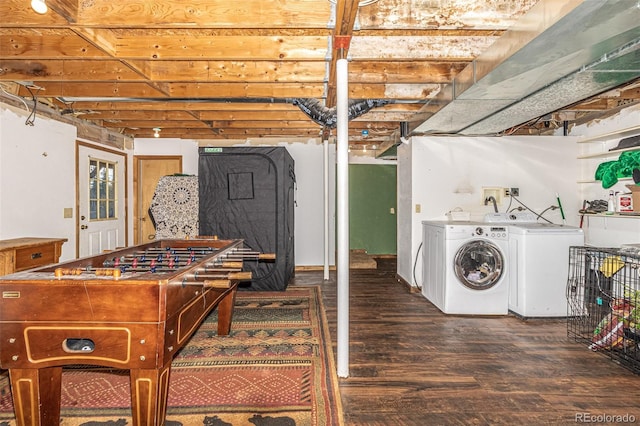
[(102, 190)]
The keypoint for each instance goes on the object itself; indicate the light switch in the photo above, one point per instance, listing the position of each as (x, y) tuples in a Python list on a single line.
[(392, 210), (418, 208), (68, 212)]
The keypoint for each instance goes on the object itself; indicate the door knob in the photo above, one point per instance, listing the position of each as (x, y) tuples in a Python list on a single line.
[(82, 217), (83, 226)]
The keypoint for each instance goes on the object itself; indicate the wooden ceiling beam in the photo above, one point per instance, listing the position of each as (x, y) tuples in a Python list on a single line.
[(221, 71), (137, 115), (94, 89), (151, 124), (188, 106)]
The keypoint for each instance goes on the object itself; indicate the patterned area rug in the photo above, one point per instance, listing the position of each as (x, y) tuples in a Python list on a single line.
[(275, 368)]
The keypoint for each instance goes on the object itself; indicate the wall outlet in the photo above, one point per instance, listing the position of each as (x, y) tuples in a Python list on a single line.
[(512, 192)]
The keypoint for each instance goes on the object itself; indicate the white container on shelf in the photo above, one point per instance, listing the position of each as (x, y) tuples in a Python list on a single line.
[(624, 202)]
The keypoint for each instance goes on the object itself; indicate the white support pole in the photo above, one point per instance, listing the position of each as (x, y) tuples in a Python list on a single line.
[(342, 156), (325, 145)]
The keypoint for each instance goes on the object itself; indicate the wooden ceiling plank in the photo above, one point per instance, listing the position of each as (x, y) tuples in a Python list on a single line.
[(51, 44), (376, 116), (237, 124), (252, 115), (419, 48), (150, 124), (206, 13), (136, 115), (157, 46), (237, 71), (65, 70), (94, 89), (241, 90), (416, 92), (404, 72), (186, 106), (287, 124), (500, 14)]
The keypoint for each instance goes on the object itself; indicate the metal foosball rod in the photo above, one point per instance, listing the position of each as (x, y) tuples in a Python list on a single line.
[(231, 275), (167, 264), (160, 257), (252, 256), (207, 250), (224, 264)]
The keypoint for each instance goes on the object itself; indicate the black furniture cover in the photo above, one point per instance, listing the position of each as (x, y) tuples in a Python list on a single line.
[(248, 193)]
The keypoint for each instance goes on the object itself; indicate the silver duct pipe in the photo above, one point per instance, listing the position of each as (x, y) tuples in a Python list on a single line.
[(550, 46), (328, 117)]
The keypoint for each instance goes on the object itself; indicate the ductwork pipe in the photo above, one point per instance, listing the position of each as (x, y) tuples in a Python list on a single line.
[(328, 117)]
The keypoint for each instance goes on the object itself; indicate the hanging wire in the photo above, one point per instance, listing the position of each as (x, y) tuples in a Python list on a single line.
[(32, 115)]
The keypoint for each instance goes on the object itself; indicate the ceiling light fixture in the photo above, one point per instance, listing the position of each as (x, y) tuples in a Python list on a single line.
[(39, 6), (156, 132)]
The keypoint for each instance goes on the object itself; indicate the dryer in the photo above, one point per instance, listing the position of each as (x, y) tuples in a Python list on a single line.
[(539, 255), (465, 267)]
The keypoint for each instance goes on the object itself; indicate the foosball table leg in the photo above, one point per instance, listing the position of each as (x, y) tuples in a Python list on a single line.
[(225, 312), (36, 395), (149, 392)]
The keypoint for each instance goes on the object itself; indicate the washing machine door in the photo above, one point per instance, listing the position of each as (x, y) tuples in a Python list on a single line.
[(479, 264)]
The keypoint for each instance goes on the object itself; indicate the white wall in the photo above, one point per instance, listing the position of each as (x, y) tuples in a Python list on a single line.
[(309, 210), (188, 149), (37, 178), (449, 172)]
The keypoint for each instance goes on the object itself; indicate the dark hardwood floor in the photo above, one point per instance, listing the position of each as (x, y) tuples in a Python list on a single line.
[(410, 364)]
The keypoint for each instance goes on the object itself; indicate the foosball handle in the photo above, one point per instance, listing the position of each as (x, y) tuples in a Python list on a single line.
[(267, 256), (240, 276), (217, 283)]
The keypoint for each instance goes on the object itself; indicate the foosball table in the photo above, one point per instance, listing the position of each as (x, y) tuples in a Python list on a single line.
[(130, 309)]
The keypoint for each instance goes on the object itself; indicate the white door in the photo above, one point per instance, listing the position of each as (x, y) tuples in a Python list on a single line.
[(101, 200)]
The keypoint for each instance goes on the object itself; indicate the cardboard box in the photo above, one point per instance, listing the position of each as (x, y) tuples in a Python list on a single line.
[(635, 196)]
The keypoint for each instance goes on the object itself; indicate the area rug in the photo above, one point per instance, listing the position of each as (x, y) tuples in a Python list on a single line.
[(275, 368)]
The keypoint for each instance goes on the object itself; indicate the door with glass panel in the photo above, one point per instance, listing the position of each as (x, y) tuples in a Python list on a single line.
[(101, 200)]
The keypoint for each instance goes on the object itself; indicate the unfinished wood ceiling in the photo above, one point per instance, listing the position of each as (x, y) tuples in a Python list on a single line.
[(221, 69)]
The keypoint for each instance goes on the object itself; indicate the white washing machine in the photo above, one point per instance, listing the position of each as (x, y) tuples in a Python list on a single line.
[(465, 267), (539, 268)]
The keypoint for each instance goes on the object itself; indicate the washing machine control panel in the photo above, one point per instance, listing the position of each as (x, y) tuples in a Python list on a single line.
[(499, 232)]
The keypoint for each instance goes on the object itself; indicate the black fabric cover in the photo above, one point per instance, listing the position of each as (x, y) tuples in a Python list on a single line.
[(248, 193)]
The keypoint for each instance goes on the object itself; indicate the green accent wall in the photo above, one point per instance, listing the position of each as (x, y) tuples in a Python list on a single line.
[(372, 195)]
